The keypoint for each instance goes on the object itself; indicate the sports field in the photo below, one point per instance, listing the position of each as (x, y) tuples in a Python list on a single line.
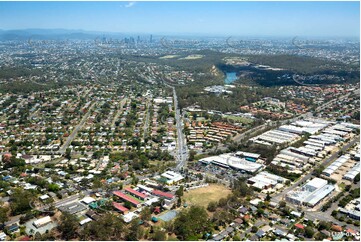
[(203, 196)]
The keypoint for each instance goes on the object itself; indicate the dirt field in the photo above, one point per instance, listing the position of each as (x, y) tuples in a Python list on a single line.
[(203, 196)]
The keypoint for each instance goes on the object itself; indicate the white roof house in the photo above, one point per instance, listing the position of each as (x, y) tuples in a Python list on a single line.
[(172, 176), (42, 221), (129, 217), (88, 200)]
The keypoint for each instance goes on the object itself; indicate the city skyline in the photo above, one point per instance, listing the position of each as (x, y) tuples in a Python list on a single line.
[(321, 19)]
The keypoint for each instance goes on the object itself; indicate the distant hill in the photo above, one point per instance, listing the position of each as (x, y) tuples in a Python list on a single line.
[(54, 34)]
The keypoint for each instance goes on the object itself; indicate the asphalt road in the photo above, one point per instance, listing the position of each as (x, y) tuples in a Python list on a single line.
[(119, 111), (146, 123), (75, 131), (182, 149)]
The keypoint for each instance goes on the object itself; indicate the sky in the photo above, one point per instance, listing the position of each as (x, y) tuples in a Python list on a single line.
[(204, 18)]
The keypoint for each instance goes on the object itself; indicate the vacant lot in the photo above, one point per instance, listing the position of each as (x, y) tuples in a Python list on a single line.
[(203, 196)]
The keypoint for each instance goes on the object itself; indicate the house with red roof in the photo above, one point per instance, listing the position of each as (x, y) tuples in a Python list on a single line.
[(125, 197), (336, 228), (135, 193), (121, 208), (300, 226), (165, 195)]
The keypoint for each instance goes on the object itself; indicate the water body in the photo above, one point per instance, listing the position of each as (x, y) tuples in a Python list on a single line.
[(230, 77)]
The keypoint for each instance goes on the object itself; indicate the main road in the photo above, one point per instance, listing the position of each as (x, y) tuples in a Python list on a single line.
[(75, 131), (181, 154)]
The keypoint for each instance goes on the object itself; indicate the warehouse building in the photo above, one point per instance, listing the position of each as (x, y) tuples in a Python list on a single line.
[(230, 160), (305, 126), (284, 160), (275, 137), (265, 180), (335, 165), (310, 194), (351, 174), (290, 152)]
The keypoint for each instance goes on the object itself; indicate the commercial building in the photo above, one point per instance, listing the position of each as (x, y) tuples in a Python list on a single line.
[(42, 221), (253, 157), (73, 208), (171, 177), (265, 180), (310, 194), (352, 209), (230, 160)]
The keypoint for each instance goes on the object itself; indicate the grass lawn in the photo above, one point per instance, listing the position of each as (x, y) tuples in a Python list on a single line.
[(135, 198), (168, 56), (203, 196), (239, 119)]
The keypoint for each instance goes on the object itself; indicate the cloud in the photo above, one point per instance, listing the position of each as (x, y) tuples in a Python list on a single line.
[(130, 4)]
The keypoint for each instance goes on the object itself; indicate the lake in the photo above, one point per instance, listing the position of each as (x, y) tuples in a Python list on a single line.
[(230, 77)]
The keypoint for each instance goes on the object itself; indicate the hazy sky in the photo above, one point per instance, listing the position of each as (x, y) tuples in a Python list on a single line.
[(218, 18)]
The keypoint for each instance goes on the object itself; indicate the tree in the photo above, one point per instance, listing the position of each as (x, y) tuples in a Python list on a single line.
[(324, 225), (309, 232), (68, 226), (146, 214), (212, 206), (180, 191), (127, 204), (268, 197), (254, 229), (192, 154), (68, 153), (135, 231), (20, 201), (241, 189), (192, 223), (236, 238), (108, 227), (159, 236), (3, 214), (282, 204)]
